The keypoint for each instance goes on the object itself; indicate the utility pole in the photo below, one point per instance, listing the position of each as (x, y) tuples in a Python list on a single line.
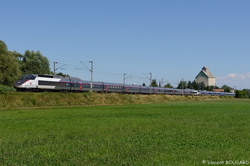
[(58, 67), (91, 71), (55, 67), (150, 78), (124, 77), (182, 83), (162, 81)]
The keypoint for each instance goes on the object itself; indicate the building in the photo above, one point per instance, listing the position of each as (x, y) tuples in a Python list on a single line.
[(218, 90), (206, 76)]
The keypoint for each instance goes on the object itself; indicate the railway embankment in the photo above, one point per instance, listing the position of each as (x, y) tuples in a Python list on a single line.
[(12, 100)]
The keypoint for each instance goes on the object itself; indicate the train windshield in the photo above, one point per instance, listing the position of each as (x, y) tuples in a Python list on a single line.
[(28, 77)]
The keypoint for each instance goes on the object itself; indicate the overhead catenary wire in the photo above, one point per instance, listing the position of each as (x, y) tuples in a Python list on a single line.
[(100, 72)]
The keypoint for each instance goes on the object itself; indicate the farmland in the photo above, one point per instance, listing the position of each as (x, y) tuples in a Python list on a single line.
[(174, 133)]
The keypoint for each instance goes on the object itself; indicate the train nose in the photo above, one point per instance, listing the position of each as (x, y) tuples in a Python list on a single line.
[(19, 84)]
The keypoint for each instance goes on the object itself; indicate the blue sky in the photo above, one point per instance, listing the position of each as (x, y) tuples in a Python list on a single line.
[(172, 40)]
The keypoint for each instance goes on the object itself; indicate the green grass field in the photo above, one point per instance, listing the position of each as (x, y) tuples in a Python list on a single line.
[(181, 133)]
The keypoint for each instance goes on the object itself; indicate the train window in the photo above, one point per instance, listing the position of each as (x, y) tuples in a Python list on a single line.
[(28, 77), (32, 77), (84, 85), (24, 78)]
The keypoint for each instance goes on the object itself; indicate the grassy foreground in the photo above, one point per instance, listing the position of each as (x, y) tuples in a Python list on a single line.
[(184, 133), (50, 99)]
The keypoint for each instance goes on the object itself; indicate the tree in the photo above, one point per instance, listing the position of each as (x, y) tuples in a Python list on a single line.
[(3, 48), (9, 66), (17, 55), (182, 85), (226, 88), (210, 88), (159, 84), (190, 85), (241, 94), (201, 86), (63, 75), (154, 83), (35, 62), (168, 85), (247, 91), (195, 85)]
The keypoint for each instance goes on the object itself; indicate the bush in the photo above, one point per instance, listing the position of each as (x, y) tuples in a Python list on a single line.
[(4, 88), (241, 94)]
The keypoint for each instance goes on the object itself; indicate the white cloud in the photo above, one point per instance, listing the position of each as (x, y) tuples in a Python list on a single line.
[(233, 79), (239, 76)]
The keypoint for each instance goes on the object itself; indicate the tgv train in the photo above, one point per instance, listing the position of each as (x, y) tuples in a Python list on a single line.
[(41, 82)]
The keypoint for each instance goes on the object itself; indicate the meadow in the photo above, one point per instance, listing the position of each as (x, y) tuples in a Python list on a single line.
[(177, 133)]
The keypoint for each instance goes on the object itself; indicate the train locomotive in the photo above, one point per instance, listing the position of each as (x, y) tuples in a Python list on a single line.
[(43, 82)]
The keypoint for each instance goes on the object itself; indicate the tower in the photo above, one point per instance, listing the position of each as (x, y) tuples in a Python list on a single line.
[(206, 76)]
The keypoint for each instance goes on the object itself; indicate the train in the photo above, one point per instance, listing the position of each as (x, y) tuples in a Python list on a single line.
[(47, 82)]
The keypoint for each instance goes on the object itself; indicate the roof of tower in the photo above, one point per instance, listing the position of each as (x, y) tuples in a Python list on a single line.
[(205, 72)]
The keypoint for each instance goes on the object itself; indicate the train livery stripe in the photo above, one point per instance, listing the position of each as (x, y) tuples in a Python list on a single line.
[(52, 83)]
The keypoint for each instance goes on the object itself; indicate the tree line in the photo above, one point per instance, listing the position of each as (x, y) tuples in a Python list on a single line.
[(13, 64), (191, 85), (245, 93)]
